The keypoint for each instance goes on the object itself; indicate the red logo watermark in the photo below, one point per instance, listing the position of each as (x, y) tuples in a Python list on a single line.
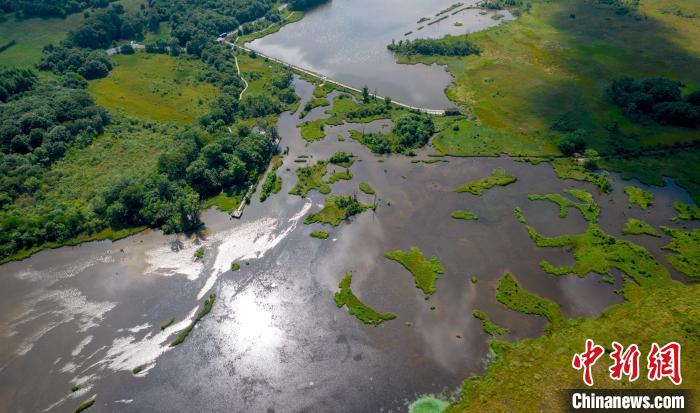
[(662, 362)]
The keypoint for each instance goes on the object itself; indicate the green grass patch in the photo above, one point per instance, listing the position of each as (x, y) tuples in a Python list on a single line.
[(235, 266), (489, 326), (337, 208), (638, 227), (226, 202), (498, 177), (336, 176), (199, 254), (363, 312), (272, 183), (511, 295), (157, 87), (686, 212), (137, 369), (31, 35), (596, 251), (464, 214), (638, 196), (206, 308), (84, 406), (310, 178), (425, 272), (428, 404), (588, 207), (686, 245), (319, 234), (366, 188)]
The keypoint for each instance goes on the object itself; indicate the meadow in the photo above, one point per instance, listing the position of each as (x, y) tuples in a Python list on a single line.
[(156, 87)]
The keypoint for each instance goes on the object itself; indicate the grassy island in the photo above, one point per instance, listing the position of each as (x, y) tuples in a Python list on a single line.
[(366, 188), (206, 308), (638, 196), (638, 227), (363, 312), (319, 234), (425, 272), (337, 209), (686, 212), (588, 207), (498, 177), (464, 214)]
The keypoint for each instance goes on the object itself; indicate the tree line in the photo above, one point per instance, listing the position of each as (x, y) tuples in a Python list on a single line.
[(446, 46)]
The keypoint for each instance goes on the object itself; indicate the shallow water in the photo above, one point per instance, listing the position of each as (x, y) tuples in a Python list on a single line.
[(346, 41), (275, 340)]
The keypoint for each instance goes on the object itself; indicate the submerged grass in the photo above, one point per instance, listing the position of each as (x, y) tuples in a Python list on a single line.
[(425, 272), (366, 188), (498, 177), (84, 406), (206, 308), (363, 312), (319, 234)]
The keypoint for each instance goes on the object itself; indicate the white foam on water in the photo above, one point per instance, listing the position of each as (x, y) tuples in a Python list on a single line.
[(61, 272), (57, 307), (128, 352), (81, 345), (249, 241), (166, 261)]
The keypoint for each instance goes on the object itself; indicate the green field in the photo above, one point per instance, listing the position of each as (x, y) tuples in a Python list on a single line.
[(156, 87), (31, 36)]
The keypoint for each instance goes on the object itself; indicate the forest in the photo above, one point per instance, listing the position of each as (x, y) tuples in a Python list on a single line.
[(446, 46), (44, 118)]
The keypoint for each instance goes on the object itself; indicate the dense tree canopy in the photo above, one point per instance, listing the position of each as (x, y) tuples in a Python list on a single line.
[(657, 98), (14, 81), (49, 8), (305, 4)]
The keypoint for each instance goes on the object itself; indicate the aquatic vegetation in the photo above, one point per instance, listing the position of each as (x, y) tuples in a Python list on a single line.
[(311, 104), (638, 227), (74, 388), (596, 251), (639, 196), (498, 177), (342, 158), (473, 279), (84, 406), (310, 177), (166, 324), (686, 212), (511, 295), (428, 404), (588, 207), (464, 214), (686, 245), (206, 308), (363, 312), (272, 183), (366, 188), (425, 272), (137, 369), (567, 168), (235, 266), (337, 208), (199, 254), (319, 234), (489, 326)]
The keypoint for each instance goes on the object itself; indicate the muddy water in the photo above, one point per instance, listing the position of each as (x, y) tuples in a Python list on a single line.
[(346, 40), (274, 340)]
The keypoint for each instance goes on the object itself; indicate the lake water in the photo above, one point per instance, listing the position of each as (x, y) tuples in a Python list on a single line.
[(346, 41), (275, 341)]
